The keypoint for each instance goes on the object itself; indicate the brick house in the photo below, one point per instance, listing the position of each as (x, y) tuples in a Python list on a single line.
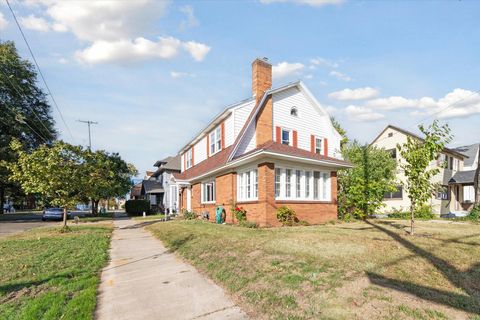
[(277, 148)]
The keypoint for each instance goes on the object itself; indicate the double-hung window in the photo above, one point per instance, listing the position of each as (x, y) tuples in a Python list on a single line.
[(189, 158), (308, 176), (215, 140), (247, 185), (278, 177), (298, 190), (208, 192), (286, 136), (318, 145)]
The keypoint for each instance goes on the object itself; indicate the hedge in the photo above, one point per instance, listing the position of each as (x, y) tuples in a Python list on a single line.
[(137, 207)]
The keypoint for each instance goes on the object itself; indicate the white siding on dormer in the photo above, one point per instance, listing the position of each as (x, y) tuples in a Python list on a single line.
[(241, 114), (229, 131), (308, 121), (249, 141), (182, 162), (200, 151)]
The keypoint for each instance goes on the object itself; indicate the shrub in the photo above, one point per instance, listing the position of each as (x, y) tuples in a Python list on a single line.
[(240, 214), (424, 212), (248, 224), (286, 216), (475, 213), (137, 207), (189, 215), (303, 223)]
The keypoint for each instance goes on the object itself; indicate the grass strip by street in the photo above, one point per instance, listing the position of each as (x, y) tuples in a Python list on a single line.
[(46, 274), (338, 271), (159, 216)]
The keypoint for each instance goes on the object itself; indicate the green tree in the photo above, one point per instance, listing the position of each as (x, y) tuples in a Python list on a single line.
[(361, 188), (341, 131), (107, 176), (25, 112), (418, 155), (55, 172)]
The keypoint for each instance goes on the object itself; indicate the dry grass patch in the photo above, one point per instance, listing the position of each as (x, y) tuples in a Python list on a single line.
[(371, 270)]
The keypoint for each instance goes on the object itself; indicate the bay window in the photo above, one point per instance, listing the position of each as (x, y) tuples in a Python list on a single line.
[(302, 184), (208, 192), (247, 185)]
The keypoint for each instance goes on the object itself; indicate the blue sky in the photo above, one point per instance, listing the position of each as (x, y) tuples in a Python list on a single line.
[(153, 73)]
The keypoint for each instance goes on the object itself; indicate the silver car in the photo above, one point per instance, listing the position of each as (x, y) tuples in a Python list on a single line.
[(54, 214)]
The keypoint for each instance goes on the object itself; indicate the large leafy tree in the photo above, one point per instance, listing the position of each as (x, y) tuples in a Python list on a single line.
[(108, 176), (25, 112), (362, 188), (418, 155), (55, 172), (341, 131)]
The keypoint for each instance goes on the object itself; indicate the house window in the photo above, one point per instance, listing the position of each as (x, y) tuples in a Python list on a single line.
[(288, 183), (285, 136), (298, 175), (189, 159), (294, 112), (442, 193), (318, 145), (390, 134), (308, 176), (247, 185), (468, 194), (278, 175), (316, 180), (208, 192), (216, 140), (393, 153), (397, 194), (451, 163)]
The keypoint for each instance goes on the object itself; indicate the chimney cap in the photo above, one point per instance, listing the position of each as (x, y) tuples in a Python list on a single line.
[(262, 59)]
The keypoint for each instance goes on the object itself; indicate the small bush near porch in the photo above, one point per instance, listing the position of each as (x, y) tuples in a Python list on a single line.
[(361, 270)]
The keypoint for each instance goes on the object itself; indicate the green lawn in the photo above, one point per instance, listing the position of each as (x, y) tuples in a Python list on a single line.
[(361, 270), (45, 274)]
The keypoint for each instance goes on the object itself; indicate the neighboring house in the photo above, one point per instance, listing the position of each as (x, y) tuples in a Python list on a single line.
[(447, 198), (157, 188), (467, 180), (163, 175), (278, 148)]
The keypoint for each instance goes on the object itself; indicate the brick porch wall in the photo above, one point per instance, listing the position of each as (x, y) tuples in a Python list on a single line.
[(263, 211)]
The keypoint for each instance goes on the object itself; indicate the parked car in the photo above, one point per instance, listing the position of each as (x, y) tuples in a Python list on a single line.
[(54, 214)]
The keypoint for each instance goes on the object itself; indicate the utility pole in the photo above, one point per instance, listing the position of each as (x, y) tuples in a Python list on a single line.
[(89, 134)]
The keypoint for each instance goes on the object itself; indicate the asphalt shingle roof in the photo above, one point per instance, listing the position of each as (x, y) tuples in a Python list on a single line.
[(462, 177)]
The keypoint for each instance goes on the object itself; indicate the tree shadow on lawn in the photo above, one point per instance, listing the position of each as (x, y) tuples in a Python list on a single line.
[(141, 224), (468, 281), (180, 242)]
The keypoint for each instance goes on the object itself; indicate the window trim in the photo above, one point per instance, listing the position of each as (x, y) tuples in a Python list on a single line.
[(215, 140), (282, 130), (392, 193), (315, 147), (188, 159), (247, 185), (203, 190)]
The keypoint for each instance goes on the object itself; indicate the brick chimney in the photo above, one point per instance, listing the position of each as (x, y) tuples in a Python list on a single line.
[(261, 77), (261, 82)]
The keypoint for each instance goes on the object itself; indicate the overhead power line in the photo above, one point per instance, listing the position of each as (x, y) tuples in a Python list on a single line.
[(40, 70)]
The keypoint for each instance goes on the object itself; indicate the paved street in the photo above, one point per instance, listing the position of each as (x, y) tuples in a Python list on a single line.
[(12, 227), (144, 281)]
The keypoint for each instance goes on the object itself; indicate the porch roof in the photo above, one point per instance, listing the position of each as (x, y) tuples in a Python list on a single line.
[(463, 177), (152, 186)]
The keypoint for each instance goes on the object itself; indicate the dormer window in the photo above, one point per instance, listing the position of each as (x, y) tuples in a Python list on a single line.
[(294, 112), (216, 140), (189, 158)]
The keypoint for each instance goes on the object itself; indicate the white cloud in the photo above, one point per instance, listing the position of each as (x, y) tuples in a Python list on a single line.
[(340, 76), (62, 61), (176, 74), (190, 20), (35, 23), (313, 3), (322, 62), (354, 94), (113, 30), (309, 76), (3, 22), (459, 103), (125, 51), (284, 69), (198, 51), (359, 113)]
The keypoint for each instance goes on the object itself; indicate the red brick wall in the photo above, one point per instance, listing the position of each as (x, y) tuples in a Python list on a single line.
[(264, 123)]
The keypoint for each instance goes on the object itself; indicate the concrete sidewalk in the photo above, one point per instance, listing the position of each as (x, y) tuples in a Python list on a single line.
[(144, 281)]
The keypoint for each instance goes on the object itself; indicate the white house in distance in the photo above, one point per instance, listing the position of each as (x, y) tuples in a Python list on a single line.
[(448, 199)]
